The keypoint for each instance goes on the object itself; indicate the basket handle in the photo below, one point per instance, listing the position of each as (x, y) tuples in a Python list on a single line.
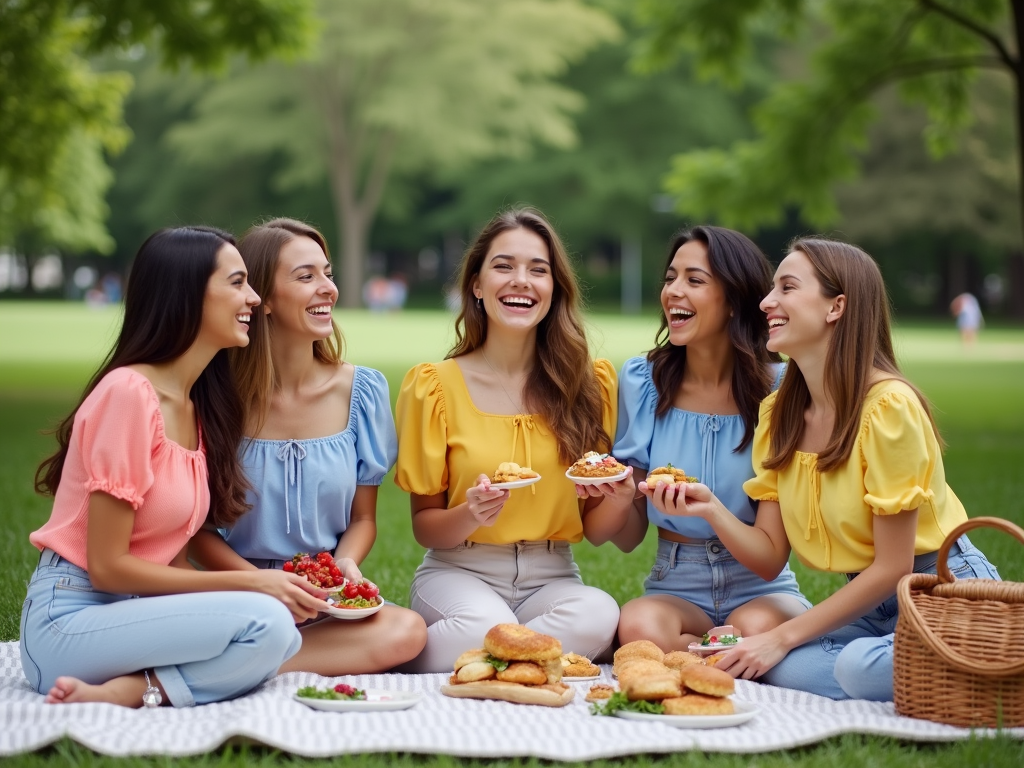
[(944, 574), (917, 624)]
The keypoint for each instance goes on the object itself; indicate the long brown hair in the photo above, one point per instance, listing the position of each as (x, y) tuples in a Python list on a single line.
[(746, 276), (163, 312), (253, 365), (861, 341), (562, 386)]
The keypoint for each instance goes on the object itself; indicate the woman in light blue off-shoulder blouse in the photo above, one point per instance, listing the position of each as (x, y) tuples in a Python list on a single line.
[(691, 404), (324, 438)]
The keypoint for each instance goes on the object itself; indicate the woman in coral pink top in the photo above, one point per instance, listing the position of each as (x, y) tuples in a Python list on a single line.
[(115, 612)]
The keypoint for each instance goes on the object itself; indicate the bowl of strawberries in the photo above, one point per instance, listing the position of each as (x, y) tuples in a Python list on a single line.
[(346, 599)]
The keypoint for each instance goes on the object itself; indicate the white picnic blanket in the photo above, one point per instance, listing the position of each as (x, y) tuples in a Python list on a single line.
[(436, 725)]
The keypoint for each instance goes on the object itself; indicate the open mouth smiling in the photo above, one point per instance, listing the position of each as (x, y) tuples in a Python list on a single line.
[(324, 311), (517, 302), (679, 315)]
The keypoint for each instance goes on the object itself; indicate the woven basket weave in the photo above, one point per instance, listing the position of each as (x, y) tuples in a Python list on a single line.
[(959, 646)]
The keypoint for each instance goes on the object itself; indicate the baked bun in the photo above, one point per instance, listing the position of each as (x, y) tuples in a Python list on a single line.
[(509, 472), (523, 672), (639, 649), (668, 474), (713, 659), (680, 659), (574, 665), (600, 692), (713, 682), (635, 667), (477, 654), (698, 704), (651, 687), (475, 670), (654, 478), (515, 642), (547, 695)]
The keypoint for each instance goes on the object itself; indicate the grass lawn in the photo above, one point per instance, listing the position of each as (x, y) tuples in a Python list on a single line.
[(48, 351)]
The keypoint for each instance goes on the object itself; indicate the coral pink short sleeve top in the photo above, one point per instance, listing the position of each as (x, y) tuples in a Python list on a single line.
[(118, 446)]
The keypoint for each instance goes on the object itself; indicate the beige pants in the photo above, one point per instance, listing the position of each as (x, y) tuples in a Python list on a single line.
[(463, 592)]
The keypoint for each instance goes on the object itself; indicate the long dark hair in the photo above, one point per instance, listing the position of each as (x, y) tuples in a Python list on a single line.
[(861, 342), (562, 386), (746, 277), (163, 312)]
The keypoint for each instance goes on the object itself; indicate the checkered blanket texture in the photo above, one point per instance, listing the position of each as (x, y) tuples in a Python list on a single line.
[(436, 725)]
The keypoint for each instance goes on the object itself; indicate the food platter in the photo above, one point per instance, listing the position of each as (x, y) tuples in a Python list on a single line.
[(354, 613), (580, 679), (377, 700), (707, 650), (596, 480), (515, 483), (744, 712)]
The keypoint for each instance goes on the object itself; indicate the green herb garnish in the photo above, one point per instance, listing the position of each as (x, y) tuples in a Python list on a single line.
[(499, 664), (619, 703)]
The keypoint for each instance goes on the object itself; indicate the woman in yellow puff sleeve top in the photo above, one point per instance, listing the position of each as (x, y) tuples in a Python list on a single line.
[(519, 386), (849, 475)]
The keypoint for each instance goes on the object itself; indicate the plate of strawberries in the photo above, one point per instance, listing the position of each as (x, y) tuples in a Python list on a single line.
[(346, 599)]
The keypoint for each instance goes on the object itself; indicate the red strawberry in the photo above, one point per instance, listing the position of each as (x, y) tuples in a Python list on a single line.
[(351, 590), (368, 590), (290, 567)]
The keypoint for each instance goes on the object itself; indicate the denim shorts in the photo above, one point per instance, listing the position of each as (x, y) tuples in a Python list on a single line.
[(708, 576)]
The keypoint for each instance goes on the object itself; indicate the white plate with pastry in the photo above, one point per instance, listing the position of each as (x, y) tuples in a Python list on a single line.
[(744, 713), (521, 483), (375, 701)]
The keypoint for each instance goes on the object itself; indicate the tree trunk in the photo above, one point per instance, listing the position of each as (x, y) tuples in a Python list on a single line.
[(353, 254)]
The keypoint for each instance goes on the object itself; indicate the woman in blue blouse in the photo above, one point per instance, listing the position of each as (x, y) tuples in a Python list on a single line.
[(323, 440), (692, 402)]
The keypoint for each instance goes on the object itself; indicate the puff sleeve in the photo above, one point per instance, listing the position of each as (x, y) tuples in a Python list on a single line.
[(116, 430), (638, 400), (764, 485), (376, 440), (608, 382), (422, 466), (899, 452)]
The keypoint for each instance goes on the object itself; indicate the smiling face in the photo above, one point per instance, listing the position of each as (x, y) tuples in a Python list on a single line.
[(693, 299), (304, 291), (228, 302), (800, 316), (515, 280)]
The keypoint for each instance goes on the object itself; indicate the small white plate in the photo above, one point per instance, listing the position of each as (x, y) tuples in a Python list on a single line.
[(713, 648), (515, 483), (355, 613), (743, 713), (579, 679), (376, 701), (597, 480)]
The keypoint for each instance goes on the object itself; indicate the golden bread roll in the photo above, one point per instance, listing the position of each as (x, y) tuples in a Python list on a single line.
[(581, 670), (547, 695), (708, 680), (600, 692), (474, 671), (477, 654), (631, 667), (667, 475), (523, 672), (638, 649), (651, 687), (515, 642), (525, 473), (713, 659), (698, 704), (653, 479), (680, 659)]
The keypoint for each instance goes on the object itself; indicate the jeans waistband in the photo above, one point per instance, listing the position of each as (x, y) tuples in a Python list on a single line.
[(678, 538), (49, 557), (925, 561), (266, 564), (550, 544)]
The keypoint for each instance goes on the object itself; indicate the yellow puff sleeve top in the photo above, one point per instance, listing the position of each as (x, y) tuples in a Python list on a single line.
[(895, 465), (445, 443)]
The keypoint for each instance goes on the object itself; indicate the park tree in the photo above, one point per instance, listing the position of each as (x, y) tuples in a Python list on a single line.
[(812, 130), (60, 117), (397, 90)]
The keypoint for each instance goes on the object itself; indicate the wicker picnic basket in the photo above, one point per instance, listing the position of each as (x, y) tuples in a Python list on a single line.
[(959, 647)]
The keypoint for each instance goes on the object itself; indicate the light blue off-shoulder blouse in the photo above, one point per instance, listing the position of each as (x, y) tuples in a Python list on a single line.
[(701, 444), (302, 490)]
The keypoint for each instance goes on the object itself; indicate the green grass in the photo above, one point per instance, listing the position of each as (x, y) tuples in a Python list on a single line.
[(48, 351)]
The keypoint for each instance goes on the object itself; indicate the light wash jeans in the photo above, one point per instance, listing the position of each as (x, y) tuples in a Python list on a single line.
[(464, 591), (855, 661), (203, 646)]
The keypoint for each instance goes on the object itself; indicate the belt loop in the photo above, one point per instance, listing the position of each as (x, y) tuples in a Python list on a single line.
[(672, 554), (469, 544), (551, 545)]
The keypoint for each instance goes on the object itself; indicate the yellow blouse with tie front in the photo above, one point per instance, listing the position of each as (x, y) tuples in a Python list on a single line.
[(895, 465), (445, 444)]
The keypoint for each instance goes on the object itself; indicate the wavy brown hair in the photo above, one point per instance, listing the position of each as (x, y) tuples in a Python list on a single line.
[(861, 342), (746, 276), (163, 312), (562, 386), (253, 365)]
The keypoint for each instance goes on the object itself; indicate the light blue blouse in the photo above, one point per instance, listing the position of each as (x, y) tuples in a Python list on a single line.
[(701, 444), (302, 490)]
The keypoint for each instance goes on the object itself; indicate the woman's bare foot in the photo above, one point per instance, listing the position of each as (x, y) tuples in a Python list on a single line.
[(126, 691)]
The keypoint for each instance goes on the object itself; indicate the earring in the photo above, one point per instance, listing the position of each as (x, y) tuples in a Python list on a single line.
[(479, 302)]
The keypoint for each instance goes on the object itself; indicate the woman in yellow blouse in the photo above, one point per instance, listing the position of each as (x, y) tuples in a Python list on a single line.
[(519, 385), (848, 473)]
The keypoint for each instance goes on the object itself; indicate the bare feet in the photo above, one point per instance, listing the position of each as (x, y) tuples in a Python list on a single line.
[(125, 691)]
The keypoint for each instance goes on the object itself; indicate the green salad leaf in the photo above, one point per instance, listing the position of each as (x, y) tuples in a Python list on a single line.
[(618, 702), (499, 664)]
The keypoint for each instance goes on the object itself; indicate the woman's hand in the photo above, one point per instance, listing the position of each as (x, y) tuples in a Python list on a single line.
[(683, 499), (299, 596), (349, 569), (753, 657), (484, 503), (621, 491)]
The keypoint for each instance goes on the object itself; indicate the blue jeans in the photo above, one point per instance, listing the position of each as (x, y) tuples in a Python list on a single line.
[(855, 661), (202, 646)]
